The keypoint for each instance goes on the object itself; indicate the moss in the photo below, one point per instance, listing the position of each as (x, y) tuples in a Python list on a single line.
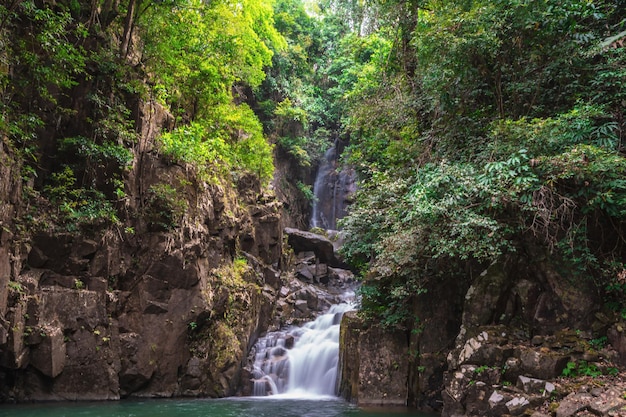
[(226, 348)]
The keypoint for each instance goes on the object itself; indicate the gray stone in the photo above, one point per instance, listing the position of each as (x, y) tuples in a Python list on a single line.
[(534, 386), (610, 401), (517, 405), (373, 364), (495, 399), (572, 404)]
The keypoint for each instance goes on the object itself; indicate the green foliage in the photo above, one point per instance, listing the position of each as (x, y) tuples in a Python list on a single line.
[(192, 144), (581, 368), (483, 127), (599, 343), (79, 207), (306, 191), (229, 139), (16, 287), (165, 208), (199, 50)]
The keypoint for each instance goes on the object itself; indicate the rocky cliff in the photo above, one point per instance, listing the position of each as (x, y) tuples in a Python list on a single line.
[(166, 302), (519, 339)]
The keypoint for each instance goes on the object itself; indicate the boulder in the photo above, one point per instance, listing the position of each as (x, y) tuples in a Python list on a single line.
[(48, 356), (323, 248), (538, 363)]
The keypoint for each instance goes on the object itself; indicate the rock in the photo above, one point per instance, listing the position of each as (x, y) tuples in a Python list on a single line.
[(54, 279), (83, 248), (617, 338), (484, 295), (48, 356), (36, 258), (119, 304), (136, 370), (302, 306), (323, 248), (272, 277), (572, 404), (608, 402), (517, 405), (304, 273), (542, 364), (289, 341), (512, 369), (373, 364), (486, 348), (97, 284), (535, 386)]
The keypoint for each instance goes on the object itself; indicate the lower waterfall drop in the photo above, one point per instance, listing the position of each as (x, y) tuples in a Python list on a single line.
[(301, 361)]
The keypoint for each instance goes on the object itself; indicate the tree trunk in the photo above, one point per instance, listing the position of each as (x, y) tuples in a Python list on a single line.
[(129, 21)]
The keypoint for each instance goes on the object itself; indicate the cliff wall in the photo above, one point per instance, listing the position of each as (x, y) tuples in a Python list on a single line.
[(520, 338), (165, 302)]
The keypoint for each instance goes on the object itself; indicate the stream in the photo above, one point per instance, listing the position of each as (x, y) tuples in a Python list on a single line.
[(228, 407), (300, 362)]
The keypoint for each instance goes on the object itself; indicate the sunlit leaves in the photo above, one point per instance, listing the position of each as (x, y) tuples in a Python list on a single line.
[(229, 139), (199, 50)]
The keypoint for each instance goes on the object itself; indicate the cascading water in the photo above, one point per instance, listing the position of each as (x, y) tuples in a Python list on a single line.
[(333, 184), (301, 361)]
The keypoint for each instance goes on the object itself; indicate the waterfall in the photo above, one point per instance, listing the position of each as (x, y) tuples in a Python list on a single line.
[(301, 361), (333, 184)]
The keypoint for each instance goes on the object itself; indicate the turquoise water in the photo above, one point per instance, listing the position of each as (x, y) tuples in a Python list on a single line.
[(230, 407)]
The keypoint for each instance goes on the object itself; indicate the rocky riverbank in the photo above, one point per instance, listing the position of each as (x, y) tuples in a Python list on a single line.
[(520, 341)]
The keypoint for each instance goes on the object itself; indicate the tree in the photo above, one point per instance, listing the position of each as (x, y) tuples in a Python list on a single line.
[(488, 130)]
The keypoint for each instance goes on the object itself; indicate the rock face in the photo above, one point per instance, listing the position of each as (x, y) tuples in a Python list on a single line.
[(372, 364), (496, 344), (514, 337), (162, 305)]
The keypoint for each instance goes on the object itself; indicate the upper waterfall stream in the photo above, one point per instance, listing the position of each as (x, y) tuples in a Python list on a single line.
[(334, 183), (301, 361)]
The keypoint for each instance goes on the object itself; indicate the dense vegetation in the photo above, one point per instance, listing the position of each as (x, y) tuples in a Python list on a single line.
[(479, 128), (73, 76), (489, 127)]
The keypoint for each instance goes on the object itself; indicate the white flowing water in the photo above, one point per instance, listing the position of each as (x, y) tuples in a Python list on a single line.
[(321, 217), (302, 361)]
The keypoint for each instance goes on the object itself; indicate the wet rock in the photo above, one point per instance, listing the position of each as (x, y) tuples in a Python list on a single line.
[(289, 341)]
